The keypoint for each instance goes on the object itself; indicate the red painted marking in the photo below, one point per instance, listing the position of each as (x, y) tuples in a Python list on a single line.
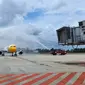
[(52, 79), (2, 81), (65, 80), (20, 80), (80, 80), (37, 79), (8, 75)]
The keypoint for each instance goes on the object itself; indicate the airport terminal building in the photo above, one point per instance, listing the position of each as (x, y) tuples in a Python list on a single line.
[(72, 35)]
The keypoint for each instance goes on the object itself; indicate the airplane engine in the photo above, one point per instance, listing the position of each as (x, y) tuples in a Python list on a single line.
[(0, 52), (20, 52)]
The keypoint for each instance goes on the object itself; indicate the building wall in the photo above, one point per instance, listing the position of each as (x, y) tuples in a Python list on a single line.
[(83, 23), (76, 34), (83, 34), (63, 34), (63, 37), (72, 35)]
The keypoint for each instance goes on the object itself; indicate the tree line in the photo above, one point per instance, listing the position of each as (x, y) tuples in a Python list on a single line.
[(76, 50)]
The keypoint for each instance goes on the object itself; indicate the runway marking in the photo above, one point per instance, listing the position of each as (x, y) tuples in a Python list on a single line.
[(80, 80), (65, 80), (43, 80), (4, 76), (52, 79), (25, 78), (37, 79), (5, 80), (71, 81), (62, 78)]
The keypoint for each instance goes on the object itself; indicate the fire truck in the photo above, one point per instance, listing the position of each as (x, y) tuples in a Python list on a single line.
[(58, 52)]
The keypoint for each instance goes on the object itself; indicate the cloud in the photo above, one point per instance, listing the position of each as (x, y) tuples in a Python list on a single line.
[(22, 37), (55, 9), (26, 35), (33, 23), (8, 12)]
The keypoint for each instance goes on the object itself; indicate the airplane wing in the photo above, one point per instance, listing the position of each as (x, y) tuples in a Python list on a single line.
[(3, 50)]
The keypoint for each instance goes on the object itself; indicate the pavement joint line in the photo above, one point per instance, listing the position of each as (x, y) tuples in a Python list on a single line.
[(35, 62)]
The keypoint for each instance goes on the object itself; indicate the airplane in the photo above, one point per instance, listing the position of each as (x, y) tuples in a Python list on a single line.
[(11, 49)]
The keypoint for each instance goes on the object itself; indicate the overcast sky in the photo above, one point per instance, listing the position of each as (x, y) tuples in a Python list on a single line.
[(33, 23)]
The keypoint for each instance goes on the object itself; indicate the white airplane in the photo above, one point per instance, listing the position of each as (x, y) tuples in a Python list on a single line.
[(11, 49)]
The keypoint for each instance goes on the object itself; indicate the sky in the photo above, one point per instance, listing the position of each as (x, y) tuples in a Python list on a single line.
[(33, 23)]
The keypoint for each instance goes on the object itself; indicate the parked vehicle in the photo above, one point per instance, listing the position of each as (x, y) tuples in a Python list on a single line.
[(60, 52)]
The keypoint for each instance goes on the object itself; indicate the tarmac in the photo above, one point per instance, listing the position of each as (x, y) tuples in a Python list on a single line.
[(42, 69), (42, 63)]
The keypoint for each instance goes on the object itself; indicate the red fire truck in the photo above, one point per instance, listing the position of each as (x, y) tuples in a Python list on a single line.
[(59, 51)]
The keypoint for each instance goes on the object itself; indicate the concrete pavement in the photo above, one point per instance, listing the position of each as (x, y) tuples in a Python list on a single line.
[(38, 69), (41, 63)]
